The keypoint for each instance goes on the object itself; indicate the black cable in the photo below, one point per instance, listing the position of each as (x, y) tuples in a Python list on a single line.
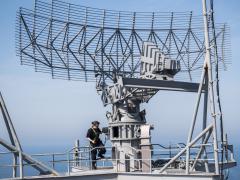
[(217, 85)]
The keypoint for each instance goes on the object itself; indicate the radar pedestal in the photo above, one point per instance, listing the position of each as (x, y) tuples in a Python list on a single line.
[(129, 132), (126, 125), (124, 121)]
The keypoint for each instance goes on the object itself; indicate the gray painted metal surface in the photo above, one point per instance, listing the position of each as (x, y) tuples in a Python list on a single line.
[(131, 63), (129, 176), (162, 85)]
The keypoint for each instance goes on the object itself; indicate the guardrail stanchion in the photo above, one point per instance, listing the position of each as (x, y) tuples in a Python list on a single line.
[(53, 161), (68, 156)]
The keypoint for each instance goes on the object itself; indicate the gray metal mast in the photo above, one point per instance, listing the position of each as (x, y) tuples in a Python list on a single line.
[(208, 66), (207, 78)]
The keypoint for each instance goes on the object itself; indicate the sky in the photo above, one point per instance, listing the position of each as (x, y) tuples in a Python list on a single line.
[(55, 113)]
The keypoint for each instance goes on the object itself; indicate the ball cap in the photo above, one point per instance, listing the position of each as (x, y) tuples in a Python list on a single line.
[(95, 123)]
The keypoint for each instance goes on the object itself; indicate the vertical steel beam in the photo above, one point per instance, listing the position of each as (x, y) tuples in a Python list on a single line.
[(210, 84), (205, 105), (205, 113), (194, 119)]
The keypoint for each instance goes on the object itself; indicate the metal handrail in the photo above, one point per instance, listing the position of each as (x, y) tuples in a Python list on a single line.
[(84, 158)]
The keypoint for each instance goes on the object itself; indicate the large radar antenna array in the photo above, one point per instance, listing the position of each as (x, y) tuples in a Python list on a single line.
[(131, 56)]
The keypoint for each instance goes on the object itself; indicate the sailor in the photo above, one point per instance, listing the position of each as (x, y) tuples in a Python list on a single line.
[(96, 144)]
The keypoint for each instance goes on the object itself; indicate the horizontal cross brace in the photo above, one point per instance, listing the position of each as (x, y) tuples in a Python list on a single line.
[(162, 85)]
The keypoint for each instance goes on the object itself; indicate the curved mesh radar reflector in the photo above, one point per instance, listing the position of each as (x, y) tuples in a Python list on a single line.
[(79, 43)]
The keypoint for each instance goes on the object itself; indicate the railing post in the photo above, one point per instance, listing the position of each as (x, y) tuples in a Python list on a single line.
[(21, 175), (89, 159), (76, 153), (210, 84), (116, 157), (53, 161), (14, 165), (80, 157), (68, 157)]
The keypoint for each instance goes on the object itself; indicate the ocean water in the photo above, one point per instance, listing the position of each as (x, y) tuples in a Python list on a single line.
[(6, 172)]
